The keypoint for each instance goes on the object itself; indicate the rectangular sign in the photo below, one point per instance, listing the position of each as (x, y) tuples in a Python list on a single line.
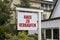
[(26, 21)]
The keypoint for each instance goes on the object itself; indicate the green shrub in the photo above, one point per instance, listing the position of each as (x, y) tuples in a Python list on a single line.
[(22, 35), (2, 34)]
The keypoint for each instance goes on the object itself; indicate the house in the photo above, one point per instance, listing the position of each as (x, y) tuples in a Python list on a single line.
[(51, 26), (47, 6)]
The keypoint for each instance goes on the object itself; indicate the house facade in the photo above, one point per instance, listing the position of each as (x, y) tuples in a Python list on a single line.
[(51, 26), (47, 6)]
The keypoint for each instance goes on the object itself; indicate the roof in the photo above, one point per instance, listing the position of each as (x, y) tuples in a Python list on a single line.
[(53, 9), (50, 19)]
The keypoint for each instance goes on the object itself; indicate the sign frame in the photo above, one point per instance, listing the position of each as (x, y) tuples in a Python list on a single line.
[(39, 17)]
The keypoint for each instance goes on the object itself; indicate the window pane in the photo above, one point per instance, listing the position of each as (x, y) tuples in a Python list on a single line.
[(42, 6), (56, 33), (48, 33), (54, 0), (46, 5), (44, 16), (41, 15), (50, 6)]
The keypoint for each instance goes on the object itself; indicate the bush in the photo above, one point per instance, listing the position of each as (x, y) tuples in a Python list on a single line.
[(2, 34), (8, 33), (22, 35), (35, 36)]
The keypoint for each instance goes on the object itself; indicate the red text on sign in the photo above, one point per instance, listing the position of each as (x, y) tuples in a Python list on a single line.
[(27, 17), (27, 24)]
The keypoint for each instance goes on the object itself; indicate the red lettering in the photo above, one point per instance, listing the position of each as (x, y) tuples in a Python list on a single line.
[(27, 17), (27, 21), (27, 25)]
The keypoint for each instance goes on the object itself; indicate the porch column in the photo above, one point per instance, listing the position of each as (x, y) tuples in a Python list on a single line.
[(44, 34), (59, 33), (52, 33)]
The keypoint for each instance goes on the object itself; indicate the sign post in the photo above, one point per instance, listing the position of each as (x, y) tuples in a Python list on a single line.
[(39, 28), (27, 20)]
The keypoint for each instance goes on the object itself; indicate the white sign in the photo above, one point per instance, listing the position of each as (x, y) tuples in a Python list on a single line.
[(26, 21)]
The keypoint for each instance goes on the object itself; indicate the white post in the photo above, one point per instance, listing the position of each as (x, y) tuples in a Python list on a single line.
[(52, 33), (59, 33), (44, 34), (39, 24)]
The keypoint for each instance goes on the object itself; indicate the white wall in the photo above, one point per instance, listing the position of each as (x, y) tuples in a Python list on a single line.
[(49, 0), (47, 24), (51, 24), (32, 32)]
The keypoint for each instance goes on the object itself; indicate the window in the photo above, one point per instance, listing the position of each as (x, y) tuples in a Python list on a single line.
[(41, 15), (46, 6), (56, 33), (44, 16), (48, 33), (42, 6), (54, 0), (50, 6), (52, 34)]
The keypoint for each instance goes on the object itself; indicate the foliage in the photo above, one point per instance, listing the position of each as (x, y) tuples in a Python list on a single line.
[(6, 30), (4, 12), (22, 35), (8, 34), (19, 37), (2, 34), (25, 3), (35, 36), (9, 31), (31, 38), (11, 37)]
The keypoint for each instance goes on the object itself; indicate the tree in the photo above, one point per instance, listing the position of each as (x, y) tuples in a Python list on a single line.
[(25, 3), (4, 11), (2, 34)]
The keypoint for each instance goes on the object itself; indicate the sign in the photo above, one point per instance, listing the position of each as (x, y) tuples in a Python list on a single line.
[(26, 21)]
